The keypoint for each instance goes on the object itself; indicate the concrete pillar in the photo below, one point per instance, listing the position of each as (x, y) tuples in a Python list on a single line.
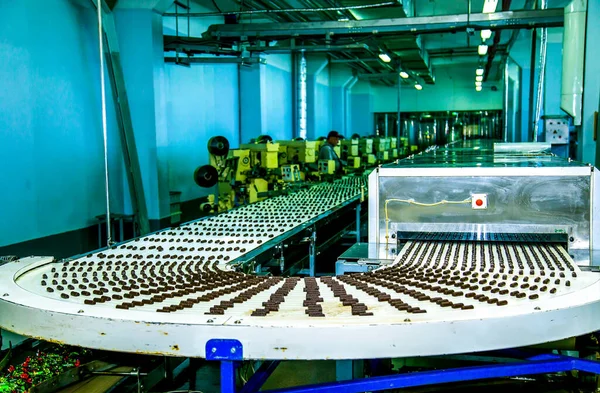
[(141, 46), (591, 87)]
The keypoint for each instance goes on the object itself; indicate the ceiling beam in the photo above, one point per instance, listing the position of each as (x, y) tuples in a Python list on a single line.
[(553, 17), (215, 60)]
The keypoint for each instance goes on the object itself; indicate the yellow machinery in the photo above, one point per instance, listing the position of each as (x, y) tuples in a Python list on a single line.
[(327, 167), (242, 175), (304, 152), (351, 153), (365, 147), (291, 173)]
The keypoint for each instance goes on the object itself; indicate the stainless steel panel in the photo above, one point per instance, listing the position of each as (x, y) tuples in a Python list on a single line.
[(515, 204)]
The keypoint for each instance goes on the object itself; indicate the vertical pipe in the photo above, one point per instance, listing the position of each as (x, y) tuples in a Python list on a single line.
[(505, 104), (358, 208), (104, 124), (542, 67), (239, 67), (385, 125), (532, 81), (302, 104), (398, 122)]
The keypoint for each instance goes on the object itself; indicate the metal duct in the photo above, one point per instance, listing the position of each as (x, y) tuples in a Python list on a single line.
[(573, 57), (542, 68), (302, 105), (286, 10)]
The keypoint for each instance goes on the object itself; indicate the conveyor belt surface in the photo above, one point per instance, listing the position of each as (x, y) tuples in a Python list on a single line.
[(173, 291)]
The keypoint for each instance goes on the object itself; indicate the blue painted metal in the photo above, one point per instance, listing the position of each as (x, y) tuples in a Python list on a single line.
[(555, 364), (260, 377), (228, 377), (221, 349)]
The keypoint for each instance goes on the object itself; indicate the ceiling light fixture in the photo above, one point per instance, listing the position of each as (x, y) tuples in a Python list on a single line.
[(385, 57), (479, 71), (479, 78), (486, 34), (482, 49), (489, 6), (478, 88), (478, 84), (418, 87), (404, 75)]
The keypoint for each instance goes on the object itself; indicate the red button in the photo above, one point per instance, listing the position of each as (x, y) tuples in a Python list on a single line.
[(479, 202)]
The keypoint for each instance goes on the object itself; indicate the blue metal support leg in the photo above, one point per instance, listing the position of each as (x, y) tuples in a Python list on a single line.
[(446, 376), (227, 376)]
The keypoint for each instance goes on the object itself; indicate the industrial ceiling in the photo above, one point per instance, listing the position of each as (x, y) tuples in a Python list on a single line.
[(353, 32)]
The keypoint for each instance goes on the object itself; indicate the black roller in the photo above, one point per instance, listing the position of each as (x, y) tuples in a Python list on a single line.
[(264, 139), (206, 176), (218, 146)]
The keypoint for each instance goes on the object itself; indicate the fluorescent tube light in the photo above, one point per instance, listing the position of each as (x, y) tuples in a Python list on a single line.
[(489, 6), (384, 57)]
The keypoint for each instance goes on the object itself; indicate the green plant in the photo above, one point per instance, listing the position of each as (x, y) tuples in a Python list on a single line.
[(39, 368)]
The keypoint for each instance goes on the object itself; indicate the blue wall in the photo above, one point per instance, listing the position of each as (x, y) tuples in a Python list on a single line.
[(50, 125), (322, 109), (361, 117), (277, 97), (202, 102), (266, 99)]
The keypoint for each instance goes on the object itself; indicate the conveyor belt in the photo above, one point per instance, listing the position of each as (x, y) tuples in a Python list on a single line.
[(172, 291)]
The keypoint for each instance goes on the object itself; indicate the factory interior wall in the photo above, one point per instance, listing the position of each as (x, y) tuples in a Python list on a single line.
[(340, 78), (451, 91), (277, 97), (362, 98), (202, 102), (50, 128), (318, 100), (520, 53)]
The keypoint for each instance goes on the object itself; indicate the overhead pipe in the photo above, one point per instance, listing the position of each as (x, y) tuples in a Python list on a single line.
[(276, 11), (542, 68)]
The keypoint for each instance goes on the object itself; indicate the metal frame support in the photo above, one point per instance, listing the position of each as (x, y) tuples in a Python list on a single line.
[(230, 353), (119, 91), (260, 377), (415, 25), (312, 253), (358, 211)]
